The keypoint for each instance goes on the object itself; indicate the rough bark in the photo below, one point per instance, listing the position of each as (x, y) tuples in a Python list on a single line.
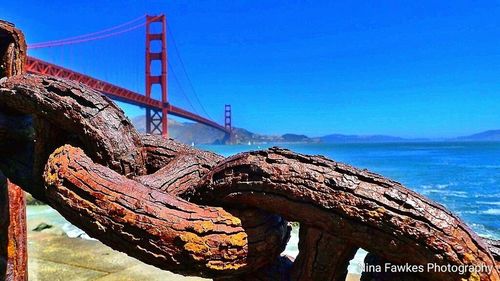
[(155, 226), (13, 244), (12, 50), (322, 256), (357, 206)]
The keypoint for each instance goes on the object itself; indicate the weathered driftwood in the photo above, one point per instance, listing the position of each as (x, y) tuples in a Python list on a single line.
[(357, 206), (13, 245)]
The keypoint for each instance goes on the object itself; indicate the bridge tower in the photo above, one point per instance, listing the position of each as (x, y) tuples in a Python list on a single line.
[(227, 118), (156, 121), (228, 124)]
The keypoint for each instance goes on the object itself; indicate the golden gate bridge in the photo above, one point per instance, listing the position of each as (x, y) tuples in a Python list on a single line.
[(157, 110)]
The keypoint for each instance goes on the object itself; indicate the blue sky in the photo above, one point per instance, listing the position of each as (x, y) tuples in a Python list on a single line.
[(406, 68)]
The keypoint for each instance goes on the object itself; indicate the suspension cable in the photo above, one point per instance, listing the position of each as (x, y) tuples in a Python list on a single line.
[(89, 34), (186, 74), (171, 69), (83, 38)]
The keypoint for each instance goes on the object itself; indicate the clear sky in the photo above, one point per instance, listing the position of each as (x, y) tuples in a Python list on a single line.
[(406, 68)]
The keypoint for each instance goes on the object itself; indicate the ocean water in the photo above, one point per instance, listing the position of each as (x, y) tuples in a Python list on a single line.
[(462, 176)]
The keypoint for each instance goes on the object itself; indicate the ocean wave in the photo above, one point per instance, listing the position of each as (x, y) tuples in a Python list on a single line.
[(473, 212), (488, 195), (483, 231), (74, 232), (460, 194), (437, 186), (494, 203), (480, 166), (491, 212)]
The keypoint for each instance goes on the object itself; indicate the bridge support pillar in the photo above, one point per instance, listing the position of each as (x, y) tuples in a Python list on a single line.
[(228, 124), (157, 121)]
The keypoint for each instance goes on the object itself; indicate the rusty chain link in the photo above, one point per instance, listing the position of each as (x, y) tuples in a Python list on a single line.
[(195, 213)]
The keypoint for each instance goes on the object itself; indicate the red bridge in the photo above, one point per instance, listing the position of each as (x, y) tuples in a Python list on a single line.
[(156, 110)]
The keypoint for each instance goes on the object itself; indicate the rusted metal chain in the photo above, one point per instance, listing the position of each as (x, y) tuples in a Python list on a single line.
[(359, 207), (196, 213), (12, 50), (13, 237), (165, 231), (13, 244)]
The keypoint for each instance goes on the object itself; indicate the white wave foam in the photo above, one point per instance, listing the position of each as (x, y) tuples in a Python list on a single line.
[(494, 203), (437, 186), (461, 194), (466, 212), (491, 212), (489, 195), (482, 231)]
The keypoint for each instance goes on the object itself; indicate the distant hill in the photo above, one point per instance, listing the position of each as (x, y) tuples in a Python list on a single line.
[(188, 132), (296, 138), (339, 138), (244, 136), (185, 132), (491, 135)]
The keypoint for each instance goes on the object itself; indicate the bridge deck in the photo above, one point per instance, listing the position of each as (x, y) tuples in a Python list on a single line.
[(38, 66)]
